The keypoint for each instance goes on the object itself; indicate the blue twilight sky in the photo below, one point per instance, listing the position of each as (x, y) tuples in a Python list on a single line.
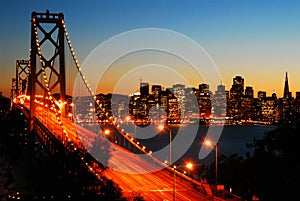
[(258, 39)]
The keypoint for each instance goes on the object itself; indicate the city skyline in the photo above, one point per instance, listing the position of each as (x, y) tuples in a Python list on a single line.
[(227, 88), (179, 104), (258, 40)]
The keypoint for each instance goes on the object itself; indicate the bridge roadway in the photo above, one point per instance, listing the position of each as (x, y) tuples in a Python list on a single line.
[(152, 186)]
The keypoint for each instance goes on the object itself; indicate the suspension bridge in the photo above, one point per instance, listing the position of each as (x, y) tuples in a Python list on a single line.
[(39, 91)]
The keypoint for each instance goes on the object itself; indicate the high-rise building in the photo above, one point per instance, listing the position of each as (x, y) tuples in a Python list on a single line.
[(174, 111), (164, 100), (248, 105), (138, 107), (156, 92), (156, 89), (204, 102), (286, 104), (192, 107), (261, 94), (220, 102), (144, 88), (236, 96), (204, 89), (122, 111), (103, 107), (249, 92), (179, 92), (286, 91), (268, 109), (238, 83)]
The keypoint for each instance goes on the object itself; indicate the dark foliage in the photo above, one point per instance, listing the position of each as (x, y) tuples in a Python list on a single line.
[(272, 173)]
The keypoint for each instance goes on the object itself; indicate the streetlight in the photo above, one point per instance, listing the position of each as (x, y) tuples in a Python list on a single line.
[(188, 166), (106, 132), (209, 143), (161, 128)]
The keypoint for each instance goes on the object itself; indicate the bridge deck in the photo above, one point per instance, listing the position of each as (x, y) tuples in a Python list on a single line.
[(152, 185)]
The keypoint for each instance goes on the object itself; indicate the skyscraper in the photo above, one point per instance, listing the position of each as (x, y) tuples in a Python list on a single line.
[(261, 94), (192, 106), (286, 91), (204, 89), (249, 92), (144, 88), (236, 96), (238, 84), (204, 102), (220, 102), (156, 92), (248, 105), (286, 103), (179, 92)]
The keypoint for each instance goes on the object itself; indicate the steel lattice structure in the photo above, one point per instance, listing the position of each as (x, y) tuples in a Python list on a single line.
[(38, 22), (22, 76)]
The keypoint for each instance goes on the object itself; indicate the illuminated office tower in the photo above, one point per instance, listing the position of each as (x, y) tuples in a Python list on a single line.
[(173, 111), (204, 102), (220, 102), (236, 96), (192, 106), (179, 93), (248, 105), (268, 108), (204, 89), (156, 93)]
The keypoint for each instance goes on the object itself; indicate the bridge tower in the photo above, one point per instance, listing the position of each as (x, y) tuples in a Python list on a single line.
[(47, 56), (22, 76), (13, 91)]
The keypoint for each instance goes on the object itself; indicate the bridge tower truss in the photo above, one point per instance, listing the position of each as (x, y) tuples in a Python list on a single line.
[(13, 91), (22, 76), (47, 48)]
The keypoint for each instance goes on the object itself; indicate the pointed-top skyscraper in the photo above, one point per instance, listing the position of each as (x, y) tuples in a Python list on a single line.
[(286, 92)]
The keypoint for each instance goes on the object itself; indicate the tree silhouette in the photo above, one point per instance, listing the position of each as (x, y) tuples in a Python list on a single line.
[(272, 173)]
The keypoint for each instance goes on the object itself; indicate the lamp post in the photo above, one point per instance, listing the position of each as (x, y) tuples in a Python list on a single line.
[(188, 166), (161, 127), (209, 144)]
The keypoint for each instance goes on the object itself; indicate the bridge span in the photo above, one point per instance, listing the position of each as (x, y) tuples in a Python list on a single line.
[(49, 119)]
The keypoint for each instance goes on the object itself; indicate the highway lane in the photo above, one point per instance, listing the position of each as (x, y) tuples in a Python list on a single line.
[(125, 166), (158, 185), (154, 186)]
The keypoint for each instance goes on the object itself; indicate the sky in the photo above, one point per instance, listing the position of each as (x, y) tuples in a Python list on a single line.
[(257, 39)]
